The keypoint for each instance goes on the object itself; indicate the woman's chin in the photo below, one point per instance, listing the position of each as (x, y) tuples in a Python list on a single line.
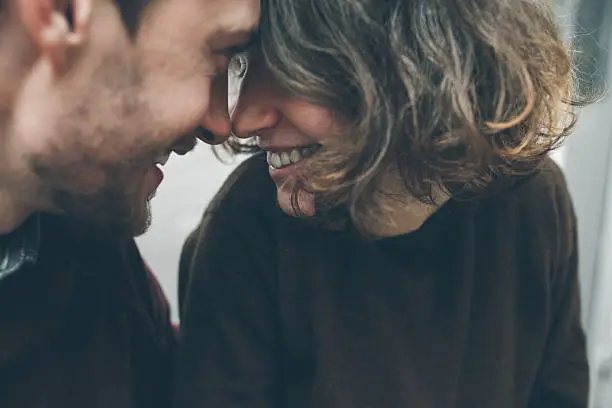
[(305, 202)]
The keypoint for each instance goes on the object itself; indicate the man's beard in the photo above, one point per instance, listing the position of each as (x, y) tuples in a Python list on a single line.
[(117, 207), (111, 210)]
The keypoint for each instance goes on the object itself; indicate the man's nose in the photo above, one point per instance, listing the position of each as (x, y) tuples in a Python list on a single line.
[(215, 123)]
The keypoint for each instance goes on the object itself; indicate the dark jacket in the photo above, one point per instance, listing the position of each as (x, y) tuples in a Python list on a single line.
[(83, 323)]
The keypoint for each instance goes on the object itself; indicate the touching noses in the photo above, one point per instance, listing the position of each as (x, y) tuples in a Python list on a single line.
[(215, 124)]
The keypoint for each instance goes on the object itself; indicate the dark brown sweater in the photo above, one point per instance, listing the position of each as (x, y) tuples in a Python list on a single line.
[(479, 308), (83, 324)]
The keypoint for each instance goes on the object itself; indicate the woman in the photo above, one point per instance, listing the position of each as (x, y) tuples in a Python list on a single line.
[(425, 255)]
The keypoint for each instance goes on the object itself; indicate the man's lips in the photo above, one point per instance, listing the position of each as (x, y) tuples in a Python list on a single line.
[(182, 147), (204, 135)]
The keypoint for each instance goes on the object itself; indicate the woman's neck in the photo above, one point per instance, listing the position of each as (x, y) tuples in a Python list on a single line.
[(400, 213)]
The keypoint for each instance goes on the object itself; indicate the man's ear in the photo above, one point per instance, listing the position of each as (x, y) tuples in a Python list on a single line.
[(47, 23)]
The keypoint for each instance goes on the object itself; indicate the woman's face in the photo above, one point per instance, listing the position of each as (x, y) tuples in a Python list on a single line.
[(288, 129)]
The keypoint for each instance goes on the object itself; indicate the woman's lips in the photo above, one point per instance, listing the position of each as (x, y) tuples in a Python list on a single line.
[(288, 157), (283, 163)]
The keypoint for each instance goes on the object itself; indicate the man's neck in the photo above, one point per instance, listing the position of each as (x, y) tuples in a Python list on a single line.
[(12, 212)]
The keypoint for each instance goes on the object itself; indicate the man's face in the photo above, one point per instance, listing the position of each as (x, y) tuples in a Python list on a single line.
[(89, 130)]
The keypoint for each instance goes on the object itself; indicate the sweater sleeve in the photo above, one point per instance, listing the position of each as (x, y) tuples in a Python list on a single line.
[(229, 341)]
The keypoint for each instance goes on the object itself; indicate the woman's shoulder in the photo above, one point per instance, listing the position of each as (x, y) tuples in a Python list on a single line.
[(545, 191), (241, 215), (235, 239), (543, 210), (248, 188), (244, 205)]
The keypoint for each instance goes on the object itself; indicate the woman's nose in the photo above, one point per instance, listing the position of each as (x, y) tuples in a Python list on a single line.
[(255, 110), (252, 120)]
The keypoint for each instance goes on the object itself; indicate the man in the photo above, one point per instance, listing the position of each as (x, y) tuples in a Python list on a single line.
[(94, 97)]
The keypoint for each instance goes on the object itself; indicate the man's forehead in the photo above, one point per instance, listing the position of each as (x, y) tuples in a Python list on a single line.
[(219, 15), (230, 23), (235, 15), (229, 15)]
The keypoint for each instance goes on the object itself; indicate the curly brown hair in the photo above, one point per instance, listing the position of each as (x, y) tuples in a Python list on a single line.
[(448, 94)]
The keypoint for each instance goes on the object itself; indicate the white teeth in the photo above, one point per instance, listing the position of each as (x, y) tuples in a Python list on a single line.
[(162, 159), (284, 159), (296, 156), (274, 160)]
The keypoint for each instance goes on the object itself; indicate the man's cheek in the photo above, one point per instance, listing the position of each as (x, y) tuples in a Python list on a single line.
[(79, 176)]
